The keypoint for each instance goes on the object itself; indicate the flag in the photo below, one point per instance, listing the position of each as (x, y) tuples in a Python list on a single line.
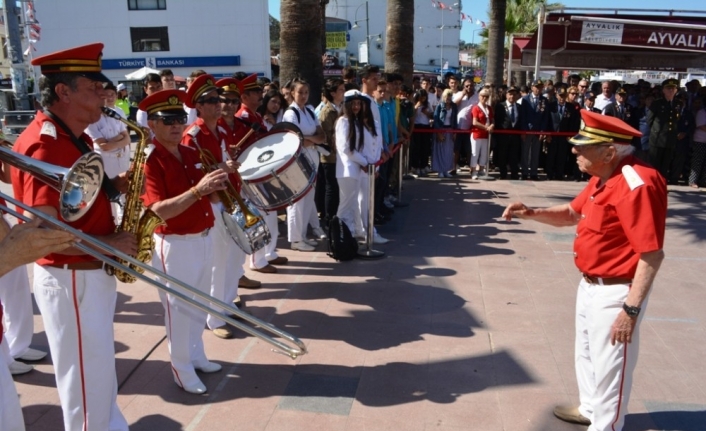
[(35, 30), (433, 4), (482, 24), (463, 16), (470, 19), (442, 6), (477, 22)]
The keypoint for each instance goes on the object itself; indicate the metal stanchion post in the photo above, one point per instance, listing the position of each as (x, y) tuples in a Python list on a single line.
[(400, 169), (368, 252), (486, 176)]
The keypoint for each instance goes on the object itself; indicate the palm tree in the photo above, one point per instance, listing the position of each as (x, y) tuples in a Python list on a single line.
[(399, 53), (496, 42), (300, 44)]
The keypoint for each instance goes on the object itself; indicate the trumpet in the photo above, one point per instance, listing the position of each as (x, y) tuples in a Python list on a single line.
[(78, 186), (90, 245)]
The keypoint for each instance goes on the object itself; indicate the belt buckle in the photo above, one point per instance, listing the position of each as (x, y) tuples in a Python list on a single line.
[(589, 279)]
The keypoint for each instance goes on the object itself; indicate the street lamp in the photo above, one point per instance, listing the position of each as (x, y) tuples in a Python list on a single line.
[(441, 63), (473, 43), (367, 29)]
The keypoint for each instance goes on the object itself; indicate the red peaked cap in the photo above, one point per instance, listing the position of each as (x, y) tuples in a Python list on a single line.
[(602, 129), (250, 83), (83, 60), (229, 85), (201, 85), (165, 103)]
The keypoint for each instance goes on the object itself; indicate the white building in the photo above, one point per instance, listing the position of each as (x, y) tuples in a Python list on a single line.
[(218, 36), (436, 32)]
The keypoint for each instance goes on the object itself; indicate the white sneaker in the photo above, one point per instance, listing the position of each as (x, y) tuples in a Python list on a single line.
[(32, 355), (377, 239), (311, 242), (17, 368), (319, 233), (302, 246)]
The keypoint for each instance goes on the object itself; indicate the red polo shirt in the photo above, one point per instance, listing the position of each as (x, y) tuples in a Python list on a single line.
[(167, 177), (45, 141), (618, 224)]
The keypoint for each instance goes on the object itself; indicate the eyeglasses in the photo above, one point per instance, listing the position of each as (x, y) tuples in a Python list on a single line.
[(210, 100), (583, 86), (227, 101), (170, 121), (574, 93)]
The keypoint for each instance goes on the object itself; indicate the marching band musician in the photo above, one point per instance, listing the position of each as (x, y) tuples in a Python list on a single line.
[(75, 296), (178, 191), (250, 99), (205, 134)]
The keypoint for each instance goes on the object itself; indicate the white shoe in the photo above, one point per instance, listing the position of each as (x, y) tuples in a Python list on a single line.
[(311, 242), (32, 355), (209, 367), (319, 233), (474, 176), (302, 246), (377, 239), (198, 388), (17, 368)]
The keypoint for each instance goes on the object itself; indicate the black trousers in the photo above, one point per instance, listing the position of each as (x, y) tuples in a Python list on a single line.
[(556, 158), (326, 196), (420, 149), (661, 159), (507, 154)]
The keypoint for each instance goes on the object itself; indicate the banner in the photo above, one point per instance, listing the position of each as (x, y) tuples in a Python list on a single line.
[(335, 40)]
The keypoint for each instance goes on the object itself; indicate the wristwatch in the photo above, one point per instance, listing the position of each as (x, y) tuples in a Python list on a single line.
[(631, 311)]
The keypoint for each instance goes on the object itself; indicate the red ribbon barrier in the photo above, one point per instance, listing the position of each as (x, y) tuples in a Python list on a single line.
[(395, 148), (499, 132)]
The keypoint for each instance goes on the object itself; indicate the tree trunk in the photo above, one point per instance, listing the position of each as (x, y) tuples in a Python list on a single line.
[(519, 77), (399, 52), (300, 44), (496, 42)]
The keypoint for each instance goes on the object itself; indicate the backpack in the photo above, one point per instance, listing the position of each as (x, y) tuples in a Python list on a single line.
[(296, 112), (341, 244)]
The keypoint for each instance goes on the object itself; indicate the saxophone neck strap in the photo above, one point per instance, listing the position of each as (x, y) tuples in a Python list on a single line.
[(107, 184)]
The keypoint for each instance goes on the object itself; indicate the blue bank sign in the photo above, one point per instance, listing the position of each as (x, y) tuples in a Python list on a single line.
[(169, 62)]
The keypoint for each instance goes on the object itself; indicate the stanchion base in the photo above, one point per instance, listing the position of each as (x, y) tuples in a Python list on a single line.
[(368, 254), (486, 178)]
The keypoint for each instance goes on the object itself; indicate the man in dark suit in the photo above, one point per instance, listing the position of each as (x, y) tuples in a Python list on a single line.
[(589, 100), (535, 118), (662, 119), (567, 118), (507, 146)]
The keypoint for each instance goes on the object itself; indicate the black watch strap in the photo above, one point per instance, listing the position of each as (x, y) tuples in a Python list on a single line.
[(631, 311)]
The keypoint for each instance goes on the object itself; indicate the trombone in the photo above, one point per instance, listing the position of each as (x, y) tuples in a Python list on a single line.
[(293, 350)]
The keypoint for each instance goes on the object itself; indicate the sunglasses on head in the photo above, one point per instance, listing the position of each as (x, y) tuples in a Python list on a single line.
[(228, 101), (210, 100), (170, 121)]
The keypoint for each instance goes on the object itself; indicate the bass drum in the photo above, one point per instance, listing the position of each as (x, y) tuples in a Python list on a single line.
[(249, 238), (275, 170)]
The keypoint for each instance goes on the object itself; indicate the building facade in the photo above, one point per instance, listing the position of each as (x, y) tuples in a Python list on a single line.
[(218, 36), (437, 32)]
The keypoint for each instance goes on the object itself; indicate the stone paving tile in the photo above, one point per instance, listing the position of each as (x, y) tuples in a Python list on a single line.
[(467, 323)]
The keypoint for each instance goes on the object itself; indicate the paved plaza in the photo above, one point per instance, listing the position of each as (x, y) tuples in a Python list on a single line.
[(465, 324)]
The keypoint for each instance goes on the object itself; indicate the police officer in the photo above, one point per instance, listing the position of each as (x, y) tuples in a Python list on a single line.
[(662, 118)]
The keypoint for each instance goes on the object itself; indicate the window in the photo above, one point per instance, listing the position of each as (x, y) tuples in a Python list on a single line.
[(149, 39), (147, 4)]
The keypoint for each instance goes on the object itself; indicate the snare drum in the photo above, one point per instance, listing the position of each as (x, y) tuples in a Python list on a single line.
[(275, 170)]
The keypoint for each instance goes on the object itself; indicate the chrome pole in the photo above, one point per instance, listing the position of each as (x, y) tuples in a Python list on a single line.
[(368, 252)]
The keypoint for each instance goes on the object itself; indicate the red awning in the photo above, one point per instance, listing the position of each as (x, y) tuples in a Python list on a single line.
[(620, 42)]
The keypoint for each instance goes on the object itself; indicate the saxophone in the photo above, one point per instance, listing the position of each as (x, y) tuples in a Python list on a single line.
[(136, 221)]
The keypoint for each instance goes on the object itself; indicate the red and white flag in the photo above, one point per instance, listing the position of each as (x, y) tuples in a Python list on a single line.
[(482, 24), (35, 30), (442, 6)]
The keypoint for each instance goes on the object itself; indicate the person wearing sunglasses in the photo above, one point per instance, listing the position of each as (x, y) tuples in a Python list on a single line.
[(179, 192)]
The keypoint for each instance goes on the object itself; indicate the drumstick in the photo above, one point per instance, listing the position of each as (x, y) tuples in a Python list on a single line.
[(254, 127)]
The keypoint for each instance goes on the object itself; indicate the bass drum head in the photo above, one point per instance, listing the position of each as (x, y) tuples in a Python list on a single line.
[(268, 154)]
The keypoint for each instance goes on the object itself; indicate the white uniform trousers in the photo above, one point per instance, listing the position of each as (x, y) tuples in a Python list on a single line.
[(604, 372), (18, 318), (228, 261), (114, 163), (364, 203), (348, 207), (188, 258), (261, 258), (10, 409), (299, 216), (77, 309)]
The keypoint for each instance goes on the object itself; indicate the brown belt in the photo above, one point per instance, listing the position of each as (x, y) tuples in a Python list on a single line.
[(79, 266), (606, 281)]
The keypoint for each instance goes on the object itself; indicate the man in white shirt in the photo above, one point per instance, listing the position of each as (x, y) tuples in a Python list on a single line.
[(431, 94), (606, 97), (467, 96)]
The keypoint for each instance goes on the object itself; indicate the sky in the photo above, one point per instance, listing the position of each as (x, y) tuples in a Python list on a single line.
[(479, 9)]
